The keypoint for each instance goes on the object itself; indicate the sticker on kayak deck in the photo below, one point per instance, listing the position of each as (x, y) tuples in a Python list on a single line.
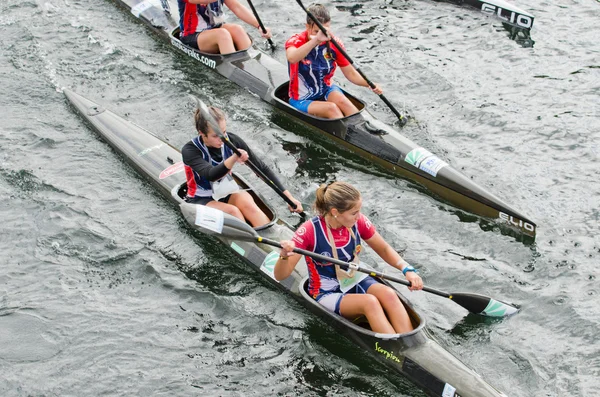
[(449, 391), (141, 7), (209, 218), (424, 160), (238, 249), (268, 265), (171, 170)]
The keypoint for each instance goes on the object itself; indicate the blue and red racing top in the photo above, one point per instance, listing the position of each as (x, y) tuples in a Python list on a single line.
[(309, 76), (312, 236), (195, 18)]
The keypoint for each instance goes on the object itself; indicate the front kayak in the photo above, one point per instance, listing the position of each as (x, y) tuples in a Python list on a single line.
[(415, 355)]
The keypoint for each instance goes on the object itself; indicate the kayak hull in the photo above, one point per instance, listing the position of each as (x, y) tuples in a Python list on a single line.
[(415, 355)]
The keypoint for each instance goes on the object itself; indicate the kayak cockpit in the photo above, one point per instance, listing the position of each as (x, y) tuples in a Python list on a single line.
[(281, 95), (181, 192), (360, 324)]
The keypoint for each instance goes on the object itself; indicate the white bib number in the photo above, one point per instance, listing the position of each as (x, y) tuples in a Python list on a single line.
[(346, 284), (224, 187)]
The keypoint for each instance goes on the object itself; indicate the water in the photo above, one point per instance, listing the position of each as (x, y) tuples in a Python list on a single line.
[(104, 290)]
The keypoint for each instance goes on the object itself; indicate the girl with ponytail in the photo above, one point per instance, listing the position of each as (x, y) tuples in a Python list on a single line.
[(340, 224)]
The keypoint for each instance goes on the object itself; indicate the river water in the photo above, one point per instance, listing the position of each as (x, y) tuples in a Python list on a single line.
[(105, 291)]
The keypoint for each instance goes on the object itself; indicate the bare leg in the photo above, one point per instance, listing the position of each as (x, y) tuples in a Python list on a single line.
[(239, 36), (395, 310), (227, 208), (354, 305), (328, 110), (245, 203), (343, 103), (216, 41)]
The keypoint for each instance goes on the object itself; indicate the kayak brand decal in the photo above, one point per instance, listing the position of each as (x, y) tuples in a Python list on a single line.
[(148, 150), (238, 249), (388, 355), (517, 222), (211, 63), (520, 20), (171, 170), (268, 265), (424, 160), (209, 218)]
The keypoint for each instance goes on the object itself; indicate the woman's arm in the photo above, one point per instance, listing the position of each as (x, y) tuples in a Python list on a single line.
[(287, 261), (296, 54), (388, 254), (242, 12), (354, 77)]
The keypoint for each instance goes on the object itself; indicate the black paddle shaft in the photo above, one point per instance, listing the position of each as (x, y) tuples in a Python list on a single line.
[(258, 172), (340, 49), (347, 266), (260, 24), (217, 129)]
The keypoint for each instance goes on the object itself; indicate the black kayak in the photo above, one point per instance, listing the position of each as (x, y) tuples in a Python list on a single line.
[(361, 133), (415, 355)]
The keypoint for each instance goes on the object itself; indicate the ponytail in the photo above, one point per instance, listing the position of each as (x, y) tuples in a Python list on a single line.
[(339, 195)]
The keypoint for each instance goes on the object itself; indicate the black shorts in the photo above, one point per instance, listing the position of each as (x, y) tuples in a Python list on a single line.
[(206, 200), (191, 40)]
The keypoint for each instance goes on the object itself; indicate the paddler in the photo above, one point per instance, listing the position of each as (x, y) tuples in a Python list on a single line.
[(341, 224), (312, 61), (208, 163), (202, 26)]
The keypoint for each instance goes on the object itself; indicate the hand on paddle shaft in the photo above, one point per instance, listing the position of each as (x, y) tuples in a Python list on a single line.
[(293, 203), (266, 33), (374, 87)]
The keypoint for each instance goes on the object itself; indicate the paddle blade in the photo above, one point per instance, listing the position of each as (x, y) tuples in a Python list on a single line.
[(484, 305), (205, 112), (212, 221)]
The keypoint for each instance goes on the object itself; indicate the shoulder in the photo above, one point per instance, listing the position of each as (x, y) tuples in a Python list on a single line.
[(365, 227), (304, 236), (296, 40), (189, 148)]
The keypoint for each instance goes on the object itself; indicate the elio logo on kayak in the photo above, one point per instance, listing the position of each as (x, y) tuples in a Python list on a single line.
[(522, 21), (211, 63), (517, 222)]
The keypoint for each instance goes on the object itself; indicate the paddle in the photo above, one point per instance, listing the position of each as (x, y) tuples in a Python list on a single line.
[(401, 118), (260, 24), (231, 227), (215, 127)]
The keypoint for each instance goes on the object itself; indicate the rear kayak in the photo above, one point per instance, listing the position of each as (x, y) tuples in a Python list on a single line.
[(361, 133), (415, 355)]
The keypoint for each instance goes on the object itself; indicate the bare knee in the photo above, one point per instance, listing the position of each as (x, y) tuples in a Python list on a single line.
[(234, 211), (332, 111), (370, 304)]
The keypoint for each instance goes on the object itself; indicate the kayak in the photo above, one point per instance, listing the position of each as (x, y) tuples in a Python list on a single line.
[(506, 12), (415, 355), (361, 133)]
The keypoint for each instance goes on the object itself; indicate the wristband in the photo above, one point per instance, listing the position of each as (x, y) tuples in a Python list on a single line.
[(283, 258), (408, 268)]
